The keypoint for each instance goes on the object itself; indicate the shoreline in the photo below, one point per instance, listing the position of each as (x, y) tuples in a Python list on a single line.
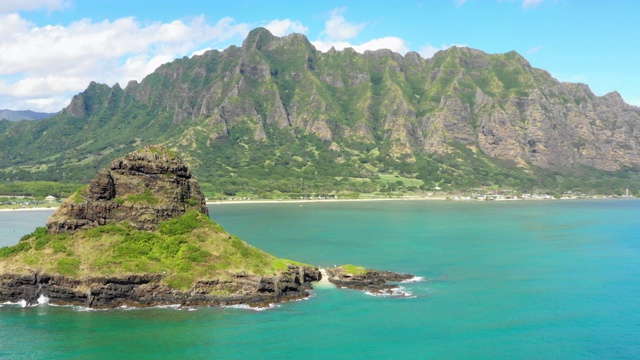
[(29, 209), (303, 201), (429, 198)]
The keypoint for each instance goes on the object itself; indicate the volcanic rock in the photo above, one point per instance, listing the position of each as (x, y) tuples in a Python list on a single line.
[(374, 281), (144, 188)]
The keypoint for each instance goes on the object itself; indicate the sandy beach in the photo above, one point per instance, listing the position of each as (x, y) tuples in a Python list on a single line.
[(324, 280), (302, 201), (294, 201)]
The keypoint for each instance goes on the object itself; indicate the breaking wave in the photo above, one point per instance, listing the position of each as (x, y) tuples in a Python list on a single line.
[(247, 307), (414, 279), (399, 292)]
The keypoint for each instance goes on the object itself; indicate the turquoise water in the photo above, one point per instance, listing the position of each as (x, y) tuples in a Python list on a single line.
[(508, 280)]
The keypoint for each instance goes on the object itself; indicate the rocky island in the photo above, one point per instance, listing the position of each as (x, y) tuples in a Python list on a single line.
[(377, 282), (140, 235)]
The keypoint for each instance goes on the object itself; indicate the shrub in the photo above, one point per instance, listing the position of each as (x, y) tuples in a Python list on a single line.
[(182, 225), (68, 266), (10, 250), (193, 253), (146, 197)]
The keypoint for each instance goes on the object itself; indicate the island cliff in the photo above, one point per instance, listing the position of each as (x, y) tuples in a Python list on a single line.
[(140, 235)]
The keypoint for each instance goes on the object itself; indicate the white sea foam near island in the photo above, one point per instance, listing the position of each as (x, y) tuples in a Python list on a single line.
[(324, 281), (398, 293), (42, 300), (414, 279), (252, 308)]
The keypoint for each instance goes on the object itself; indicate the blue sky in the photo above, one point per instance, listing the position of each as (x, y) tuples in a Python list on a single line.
[(52, 49)]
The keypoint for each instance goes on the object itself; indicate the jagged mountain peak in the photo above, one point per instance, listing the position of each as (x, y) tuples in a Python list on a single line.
[(262, 39), (404, 109)]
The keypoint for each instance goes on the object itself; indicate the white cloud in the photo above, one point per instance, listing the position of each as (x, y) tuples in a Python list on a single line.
[(339, 29), (52, 62), (530, 4), (7, 6), (285, 27), (429, 50), (392, 43), (460, 2)]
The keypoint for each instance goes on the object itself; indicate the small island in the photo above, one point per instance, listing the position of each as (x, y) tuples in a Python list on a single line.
[(140, 235)]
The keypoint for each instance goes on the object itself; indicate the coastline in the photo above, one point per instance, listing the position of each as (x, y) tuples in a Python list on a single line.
[(406, 198), (416, 198), (29, 209), (302, 201)]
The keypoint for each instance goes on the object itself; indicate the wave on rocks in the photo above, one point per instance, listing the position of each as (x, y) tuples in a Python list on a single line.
[(398, 292), (247, 307), (414, 279), (42, 300)]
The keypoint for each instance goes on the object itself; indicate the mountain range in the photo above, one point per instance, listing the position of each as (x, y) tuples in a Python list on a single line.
[(278, 116), (17, 115)]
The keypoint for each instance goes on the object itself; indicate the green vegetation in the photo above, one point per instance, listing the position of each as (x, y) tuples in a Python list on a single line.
[(145, 197), (300, 123), (354, 270), (38, 189), (78, 196), (184, 249)]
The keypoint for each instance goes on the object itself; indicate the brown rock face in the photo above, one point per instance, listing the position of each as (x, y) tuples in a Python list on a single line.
[(147, 186), (375, 281), (147, 289)]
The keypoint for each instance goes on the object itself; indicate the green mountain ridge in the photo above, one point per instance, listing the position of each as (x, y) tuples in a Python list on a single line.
[(17, 115), (277, 116)]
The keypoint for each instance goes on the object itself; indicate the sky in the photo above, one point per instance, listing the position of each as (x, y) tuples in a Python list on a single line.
[(51, 50)]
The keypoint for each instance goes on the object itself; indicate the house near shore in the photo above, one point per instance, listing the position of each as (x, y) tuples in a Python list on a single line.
[(50, 198)]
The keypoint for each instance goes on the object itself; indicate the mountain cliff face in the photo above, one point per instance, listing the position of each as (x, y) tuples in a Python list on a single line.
[(349, 114)]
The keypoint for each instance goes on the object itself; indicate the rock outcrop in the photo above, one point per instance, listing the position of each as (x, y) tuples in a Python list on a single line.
[(144, 188), (148, 290), (373, 281)]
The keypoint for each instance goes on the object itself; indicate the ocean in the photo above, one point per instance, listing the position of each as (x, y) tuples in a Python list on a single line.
[(502, 280)]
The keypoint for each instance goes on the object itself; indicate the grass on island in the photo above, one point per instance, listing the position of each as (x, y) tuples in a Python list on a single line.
[(353, 269), (184, 249)]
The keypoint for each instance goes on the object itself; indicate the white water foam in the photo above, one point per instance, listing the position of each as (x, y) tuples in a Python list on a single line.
[(132, 308), (86, 309), (399, 292), (172, 306), (414, 279), (324, 281), (247, 307), (21, 303), (43, 300)]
